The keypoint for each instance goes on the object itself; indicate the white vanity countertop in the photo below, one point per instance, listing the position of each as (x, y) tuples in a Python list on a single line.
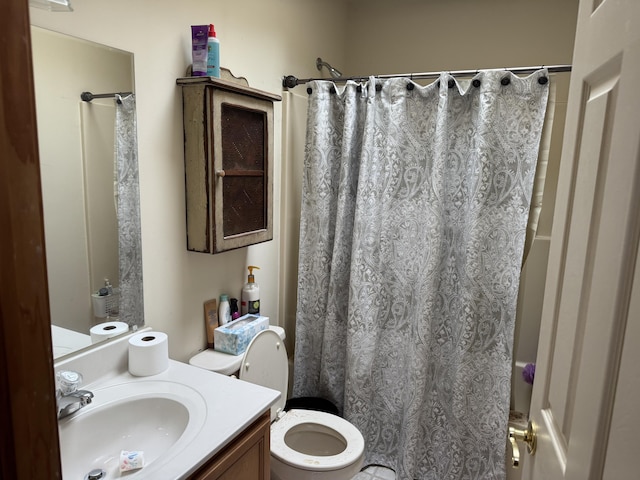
[(231, 406)]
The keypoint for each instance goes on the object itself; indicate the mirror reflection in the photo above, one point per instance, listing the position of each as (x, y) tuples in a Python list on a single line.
[(87, 209)]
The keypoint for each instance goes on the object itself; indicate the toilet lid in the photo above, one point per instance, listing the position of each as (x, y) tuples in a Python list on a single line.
[(219, 362), (265, 364)]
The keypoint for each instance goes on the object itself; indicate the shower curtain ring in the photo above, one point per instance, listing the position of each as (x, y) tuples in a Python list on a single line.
[(410, 85)]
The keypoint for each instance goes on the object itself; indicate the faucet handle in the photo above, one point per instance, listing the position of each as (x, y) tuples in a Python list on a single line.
[(68, 381)]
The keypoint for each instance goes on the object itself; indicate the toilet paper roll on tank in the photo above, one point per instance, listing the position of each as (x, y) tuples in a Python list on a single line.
[(148, 354)]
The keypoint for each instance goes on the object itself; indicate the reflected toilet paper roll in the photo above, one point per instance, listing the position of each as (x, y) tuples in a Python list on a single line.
[(148, 354), (105, 330)]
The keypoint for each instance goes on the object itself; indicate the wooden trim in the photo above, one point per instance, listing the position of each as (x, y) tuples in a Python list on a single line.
[(29, 439), (228, 86)]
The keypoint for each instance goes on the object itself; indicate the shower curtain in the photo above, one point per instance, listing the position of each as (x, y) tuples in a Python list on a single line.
[(128, 211), (414, 211)]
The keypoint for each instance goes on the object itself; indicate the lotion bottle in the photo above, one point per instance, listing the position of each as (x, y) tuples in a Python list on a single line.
[(224, 312), (213, 53), (250, 302)]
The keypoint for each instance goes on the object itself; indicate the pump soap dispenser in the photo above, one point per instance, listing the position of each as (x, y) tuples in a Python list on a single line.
[(250, 302)]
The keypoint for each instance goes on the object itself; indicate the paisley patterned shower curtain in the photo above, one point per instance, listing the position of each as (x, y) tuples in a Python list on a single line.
[(128, 208), (414, 211)]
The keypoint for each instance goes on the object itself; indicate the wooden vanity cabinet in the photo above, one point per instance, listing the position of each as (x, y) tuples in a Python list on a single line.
[(228, 155), (247, 457)]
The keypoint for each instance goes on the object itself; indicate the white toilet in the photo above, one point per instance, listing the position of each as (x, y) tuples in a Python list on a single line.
[(305, 444)]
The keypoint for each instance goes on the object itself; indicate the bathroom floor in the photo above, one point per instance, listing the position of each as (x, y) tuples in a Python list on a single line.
[(376, 473)]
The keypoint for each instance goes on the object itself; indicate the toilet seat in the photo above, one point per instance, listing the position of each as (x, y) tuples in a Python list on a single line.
[(279, 449)]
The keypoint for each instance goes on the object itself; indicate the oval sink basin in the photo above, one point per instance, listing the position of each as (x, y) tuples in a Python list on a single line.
[(157, 417)]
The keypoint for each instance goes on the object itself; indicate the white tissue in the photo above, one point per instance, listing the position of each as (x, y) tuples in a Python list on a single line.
[(105, 330), (148, 354)]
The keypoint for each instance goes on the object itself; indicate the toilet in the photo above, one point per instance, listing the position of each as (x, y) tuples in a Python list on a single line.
[(305, 444)]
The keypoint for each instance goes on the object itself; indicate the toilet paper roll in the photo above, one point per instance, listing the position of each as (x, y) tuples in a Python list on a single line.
[(148, 354), (105, 330)]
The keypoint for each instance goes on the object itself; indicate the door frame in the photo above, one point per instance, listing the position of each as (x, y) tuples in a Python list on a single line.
[(29, 440)]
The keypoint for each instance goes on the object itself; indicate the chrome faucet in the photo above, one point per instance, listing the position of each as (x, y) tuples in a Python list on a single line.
[(68, 398)]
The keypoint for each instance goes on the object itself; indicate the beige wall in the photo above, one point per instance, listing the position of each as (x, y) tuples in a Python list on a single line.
[(261, 41), (417, 35)]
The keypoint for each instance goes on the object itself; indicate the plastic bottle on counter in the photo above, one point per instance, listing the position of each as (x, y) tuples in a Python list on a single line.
[(213, 53), (234, 308), (224, 311), (250, 302)]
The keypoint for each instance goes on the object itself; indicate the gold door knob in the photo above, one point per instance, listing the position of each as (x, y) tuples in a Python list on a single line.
[(527, 436)]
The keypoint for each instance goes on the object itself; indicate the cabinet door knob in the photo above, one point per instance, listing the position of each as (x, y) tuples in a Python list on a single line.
[(220, 173)]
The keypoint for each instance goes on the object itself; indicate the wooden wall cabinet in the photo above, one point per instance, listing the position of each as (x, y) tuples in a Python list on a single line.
[(245, 458), (228, 155)]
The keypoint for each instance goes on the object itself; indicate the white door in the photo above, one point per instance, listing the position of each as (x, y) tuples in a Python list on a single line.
[(586, 396)]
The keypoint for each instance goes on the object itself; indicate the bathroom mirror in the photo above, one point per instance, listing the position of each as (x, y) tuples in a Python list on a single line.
[(77, 161)]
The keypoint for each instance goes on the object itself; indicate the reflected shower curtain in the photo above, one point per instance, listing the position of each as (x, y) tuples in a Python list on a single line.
[(128, 211), (414, 211)]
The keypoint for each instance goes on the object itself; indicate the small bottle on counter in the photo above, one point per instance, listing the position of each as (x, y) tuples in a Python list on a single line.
[(224, 310), (234, 308)]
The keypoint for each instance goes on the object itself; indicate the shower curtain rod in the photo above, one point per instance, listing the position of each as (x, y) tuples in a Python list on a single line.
[(88, 96), (291, 81)]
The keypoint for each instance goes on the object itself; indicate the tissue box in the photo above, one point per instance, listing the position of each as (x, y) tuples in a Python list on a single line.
[(234, 337)]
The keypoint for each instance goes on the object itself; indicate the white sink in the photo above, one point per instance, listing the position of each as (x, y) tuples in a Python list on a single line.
[(159, 418)]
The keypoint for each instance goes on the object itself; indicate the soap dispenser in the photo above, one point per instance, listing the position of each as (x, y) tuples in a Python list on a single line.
[(250, 302)]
